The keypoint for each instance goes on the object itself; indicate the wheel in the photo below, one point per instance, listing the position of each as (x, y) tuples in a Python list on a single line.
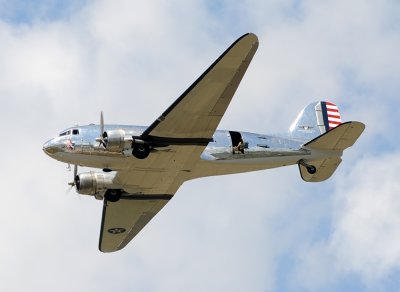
[(311, 169), (140, 151), (113, 195)]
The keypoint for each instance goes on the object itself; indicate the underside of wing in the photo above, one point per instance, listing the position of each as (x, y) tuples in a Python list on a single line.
[(195, 115), (124, 219), (179, 136)]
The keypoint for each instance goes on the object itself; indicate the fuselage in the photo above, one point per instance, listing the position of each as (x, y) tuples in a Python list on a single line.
[(80, 145)]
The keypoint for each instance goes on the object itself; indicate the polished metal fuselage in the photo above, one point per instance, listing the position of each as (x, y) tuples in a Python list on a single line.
[(78, 145)]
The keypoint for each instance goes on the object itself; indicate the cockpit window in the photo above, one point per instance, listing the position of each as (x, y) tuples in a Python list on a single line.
[(69, 132), (65, 133)]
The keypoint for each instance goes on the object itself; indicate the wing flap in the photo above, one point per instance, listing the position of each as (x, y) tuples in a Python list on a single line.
[(124, 219)]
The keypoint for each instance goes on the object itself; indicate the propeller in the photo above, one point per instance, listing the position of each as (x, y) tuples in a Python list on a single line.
[(73, 183), (101, 138)]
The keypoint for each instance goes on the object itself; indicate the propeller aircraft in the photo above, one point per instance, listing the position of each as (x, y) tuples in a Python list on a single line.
[(141, 168)]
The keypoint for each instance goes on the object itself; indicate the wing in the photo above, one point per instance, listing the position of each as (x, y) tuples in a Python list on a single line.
[(185, 128), (124, 219), (195, 115)]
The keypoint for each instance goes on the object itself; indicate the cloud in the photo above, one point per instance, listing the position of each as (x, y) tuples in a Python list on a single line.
[(368, 221), (364, 229)]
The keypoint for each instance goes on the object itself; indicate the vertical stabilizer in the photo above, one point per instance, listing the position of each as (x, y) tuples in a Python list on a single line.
[(314, 120), (328, 116)]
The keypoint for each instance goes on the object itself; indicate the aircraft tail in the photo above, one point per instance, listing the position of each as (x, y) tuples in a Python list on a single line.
[(320, 126), (314, 120)]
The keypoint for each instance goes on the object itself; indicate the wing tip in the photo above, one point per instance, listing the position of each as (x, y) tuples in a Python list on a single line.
[(249, 34)]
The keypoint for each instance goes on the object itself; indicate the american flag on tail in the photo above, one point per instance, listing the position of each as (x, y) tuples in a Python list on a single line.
[(328, 116), (333, 115)]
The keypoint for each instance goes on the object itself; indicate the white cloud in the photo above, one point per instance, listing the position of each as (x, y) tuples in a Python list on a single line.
[(368, 220), (365, 228)]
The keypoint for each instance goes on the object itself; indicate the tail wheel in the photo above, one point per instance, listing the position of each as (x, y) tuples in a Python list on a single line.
[(113, 195), (311, 169), (141, 151)]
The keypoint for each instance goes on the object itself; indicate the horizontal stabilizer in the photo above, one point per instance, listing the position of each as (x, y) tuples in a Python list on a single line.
[(339, 138), (336, 139)]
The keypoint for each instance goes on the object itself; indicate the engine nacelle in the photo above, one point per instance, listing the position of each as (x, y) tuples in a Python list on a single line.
[(93, 183), (117, 140)]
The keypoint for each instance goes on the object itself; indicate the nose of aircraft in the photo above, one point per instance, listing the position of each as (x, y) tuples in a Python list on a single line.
[(46, 147), (49, 148)]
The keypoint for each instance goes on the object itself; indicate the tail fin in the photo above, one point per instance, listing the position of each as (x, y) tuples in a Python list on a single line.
[(314, 120), (319, 125)]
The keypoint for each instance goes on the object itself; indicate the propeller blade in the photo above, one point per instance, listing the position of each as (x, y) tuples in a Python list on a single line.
[(69, 190), (100, 139), (101, 124), (73, 182)]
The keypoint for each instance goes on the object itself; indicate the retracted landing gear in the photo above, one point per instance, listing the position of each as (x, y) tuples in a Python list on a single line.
[(140, 151), (311, 169), (113, 195), (140, 148)]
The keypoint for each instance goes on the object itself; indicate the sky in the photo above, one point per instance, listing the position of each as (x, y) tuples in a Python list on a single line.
[(62, 62)]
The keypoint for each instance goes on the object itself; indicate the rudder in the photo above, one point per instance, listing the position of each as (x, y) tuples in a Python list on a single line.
[(314, 120)]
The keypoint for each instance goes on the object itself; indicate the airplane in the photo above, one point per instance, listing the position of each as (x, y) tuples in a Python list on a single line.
[(141, 168)]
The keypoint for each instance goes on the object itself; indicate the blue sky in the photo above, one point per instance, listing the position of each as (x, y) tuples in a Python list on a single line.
[(62, 62), (27, 12)]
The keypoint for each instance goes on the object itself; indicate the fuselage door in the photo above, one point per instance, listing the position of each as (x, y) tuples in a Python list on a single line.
[(238, 145)]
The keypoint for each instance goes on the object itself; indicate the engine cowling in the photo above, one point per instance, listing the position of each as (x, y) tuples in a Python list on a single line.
[(117, 140), (93, 183)]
